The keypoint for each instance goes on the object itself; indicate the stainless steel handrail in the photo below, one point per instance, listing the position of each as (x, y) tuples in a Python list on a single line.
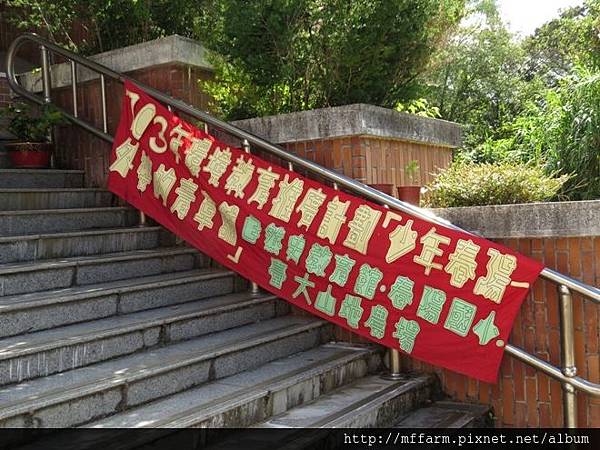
[(566, 375)]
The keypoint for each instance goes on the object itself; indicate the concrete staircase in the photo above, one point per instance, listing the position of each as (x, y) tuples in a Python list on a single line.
[(107, 324)]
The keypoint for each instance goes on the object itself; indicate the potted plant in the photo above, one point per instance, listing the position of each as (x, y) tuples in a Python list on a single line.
[(32, 148), (410, 193)]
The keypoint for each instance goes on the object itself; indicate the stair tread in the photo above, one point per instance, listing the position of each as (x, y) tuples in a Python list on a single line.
[(443, 415), (19, 301), (28, 266), (19, 398), (80, 333), (333, 409), (23, 212), (81, 233), (185, 408), (28, 190), (34, 171)]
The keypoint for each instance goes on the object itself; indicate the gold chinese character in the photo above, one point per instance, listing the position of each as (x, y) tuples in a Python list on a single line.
[(361, 228), (125, 154), (462, 264), (206, 212), (266, 181), (403, 240), (196, 153), (177, 135), (240, 177), (185, 197), (499, 269), (144, 173), (142, 119), (288, 195), (218, 163), (309, 206), (335, 217), (229, 214), (431, 242), (153, 142), (163, 182)]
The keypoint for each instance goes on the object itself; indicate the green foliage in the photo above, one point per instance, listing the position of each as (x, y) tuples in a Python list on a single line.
[(289, 55), (570, 40), (530, 101), (411, 170), (475, 79), (420, 107), (105, 24), (560, 130), (469, 184), (28, 125)]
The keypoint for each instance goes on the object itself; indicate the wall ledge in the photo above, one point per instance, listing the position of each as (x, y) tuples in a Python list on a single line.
[(529, 220), (173, 49), (354, 120)]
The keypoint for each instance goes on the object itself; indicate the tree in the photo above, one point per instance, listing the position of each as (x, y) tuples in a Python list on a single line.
[(92, 26), (288, 55), (572, 39), (476, 78)]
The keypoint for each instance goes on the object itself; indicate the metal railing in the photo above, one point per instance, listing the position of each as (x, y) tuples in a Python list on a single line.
[(566, 374)]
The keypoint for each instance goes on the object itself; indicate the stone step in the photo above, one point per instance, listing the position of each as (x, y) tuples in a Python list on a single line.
[(35, 247), (53, 198), (50, 309), (246, 398), (369, 402), (81, 395), (18, 223), (23, 278), (446, 414), (40, 178), (43, 353)]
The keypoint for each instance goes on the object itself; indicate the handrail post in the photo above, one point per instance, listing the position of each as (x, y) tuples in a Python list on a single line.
[(46, 87), (395, 371), (254, 288), (46, 82), (569, 369)]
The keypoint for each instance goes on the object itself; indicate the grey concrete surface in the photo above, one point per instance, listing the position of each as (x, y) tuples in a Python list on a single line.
[(40, 178), (354, 120), (18, 223), (29, 199), (560, 219), (79, 243), (150, 372)]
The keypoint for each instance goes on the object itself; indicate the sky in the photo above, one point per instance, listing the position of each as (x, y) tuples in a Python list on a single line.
[(524, 16)]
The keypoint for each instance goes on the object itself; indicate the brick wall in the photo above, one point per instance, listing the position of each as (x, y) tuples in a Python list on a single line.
[(374, 160)]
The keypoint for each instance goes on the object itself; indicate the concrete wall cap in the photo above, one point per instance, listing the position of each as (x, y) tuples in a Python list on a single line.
[(354, 120), (529, 220), (172, 49)]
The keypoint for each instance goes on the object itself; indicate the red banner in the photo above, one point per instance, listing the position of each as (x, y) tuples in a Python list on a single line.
[(441, 296)]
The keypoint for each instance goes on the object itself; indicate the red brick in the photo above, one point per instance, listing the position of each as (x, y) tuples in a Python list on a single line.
[(594, 415), (508, 406), (556, 404), (545, 419), (532, 402)]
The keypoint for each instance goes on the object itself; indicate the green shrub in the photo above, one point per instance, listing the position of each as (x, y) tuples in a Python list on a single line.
[(469, 184)]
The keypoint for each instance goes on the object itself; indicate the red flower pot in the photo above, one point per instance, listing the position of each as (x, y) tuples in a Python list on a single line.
[(410, 194), (385, 188), (29, 155)]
